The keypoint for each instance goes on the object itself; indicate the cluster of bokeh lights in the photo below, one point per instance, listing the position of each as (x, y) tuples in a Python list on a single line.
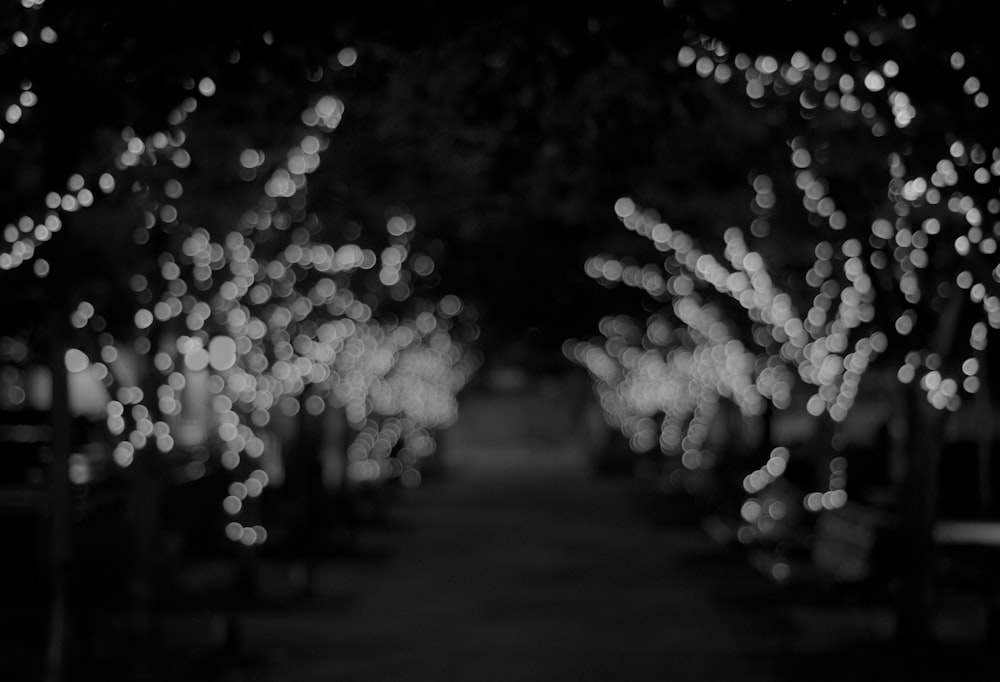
[(866, 266), (239, 326)]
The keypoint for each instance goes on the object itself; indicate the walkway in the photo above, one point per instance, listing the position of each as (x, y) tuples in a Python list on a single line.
[(522, 565)]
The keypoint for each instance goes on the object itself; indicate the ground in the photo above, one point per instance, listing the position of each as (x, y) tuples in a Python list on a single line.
[(518, 562)]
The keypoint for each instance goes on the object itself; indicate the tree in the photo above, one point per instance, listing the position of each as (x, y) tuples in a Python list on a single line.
[(220, 274), (896, 201)]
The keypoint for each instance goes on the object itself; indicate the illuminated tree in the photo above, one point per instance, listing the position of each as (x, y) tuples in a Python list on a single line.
[(62, 93), (891, 265), (263, 312), (208, 268), (907, 199)]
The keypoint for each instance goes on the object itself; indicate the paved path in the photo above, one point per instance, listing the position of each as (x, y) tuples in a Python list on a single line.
[(518, 575), (522, 565)]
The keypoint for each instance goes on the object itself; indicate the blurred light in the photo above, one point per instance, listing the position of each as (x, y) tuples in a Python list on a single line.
[(411, 478), (348, 56), (197, 359), (221, 353), (206, 86), (76, 361)]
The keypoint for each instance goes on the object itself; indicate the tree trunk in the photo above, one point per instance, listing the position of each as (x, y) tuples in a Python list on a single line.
[(244, 591), (918, 512), (60, 511), (984, 438), (919, 496), (149, 475)]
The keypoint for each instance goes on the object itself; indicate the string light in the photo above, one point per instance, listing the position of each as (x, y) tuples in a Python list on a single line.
[(256, 317)]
